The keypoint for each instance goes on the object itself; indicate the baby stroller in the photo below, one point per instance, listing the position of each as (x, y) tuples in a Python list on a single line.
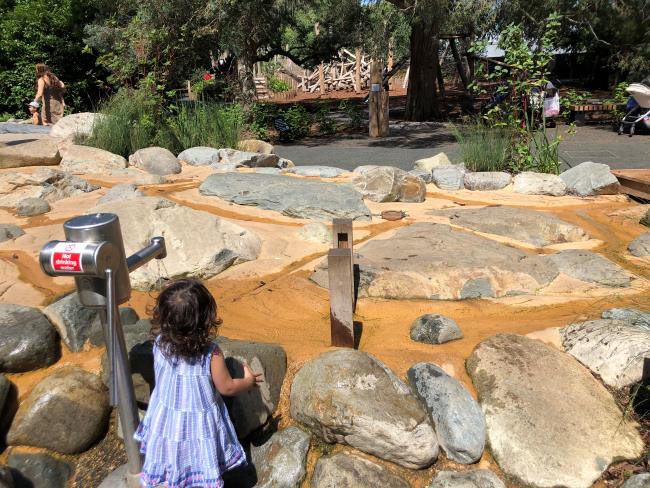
[(638, 106)]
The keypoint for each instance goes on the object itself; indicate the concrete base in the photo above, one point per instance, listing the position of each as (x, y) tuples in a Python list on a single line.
[(121, 478)]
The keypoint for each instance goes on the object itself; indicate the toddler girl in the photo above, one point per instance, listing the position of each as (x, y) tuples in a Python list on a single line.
[(186, 436)]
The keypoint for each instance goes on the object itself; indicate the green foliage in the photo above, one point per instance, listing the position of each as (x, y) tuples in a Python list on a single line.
[(619, 95), (571, 98), (40, 31), (484, 148), (202, 85), (353, 111), (326, 124), (298, 119), (206, 124), (276, 85)]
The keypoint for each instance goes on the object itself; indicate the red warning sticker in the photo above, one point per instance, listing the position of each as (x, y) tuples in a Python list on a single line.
[(66, 256)]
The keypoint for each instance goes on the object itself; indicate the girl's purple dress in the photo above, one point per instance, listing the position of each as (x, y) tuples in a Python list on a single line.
[(186, 436)]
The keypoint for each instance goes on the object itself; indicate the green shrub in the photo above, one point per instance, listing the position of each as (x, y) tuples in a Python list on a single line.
[(298, 119), (276, 85), (206, 124), (353, 111), (484, 148)]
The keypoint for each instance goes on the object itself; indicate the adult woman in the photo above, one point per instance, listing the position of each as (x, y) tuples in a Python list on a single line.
[(50, 89)]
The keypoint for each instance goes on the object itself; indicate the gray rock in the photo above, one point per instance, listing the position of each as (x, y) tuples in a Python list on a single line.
[(281, 461), (437, 161), (79, 124), (155, 160), (268, 171), (476, 478), (638, 481), (39, 152), (532, 227), (589, 178), (290, 196), (23, 127), (5, 386), (630, 315), (640, 247), (246, 158), (255, 145), (9, 232), (350, 397), (537, 402), (6, 478), (363, 168), (388, 184), (72, 320), (284, 163), (435, 329), (345, 470), (90, 160), (645, 220), (66, 412), (30, 207), (44, 183), (456, 416), (592, 268), (316, 171), (228, 167), (316, 232), (427, 176), (39, 470), (130, 324), (199, 244), (430, 261), (448, 178), (614, 350), (487, 180), (122, 191), (199, 156), (530, 183), (27, 339), (139, 177)]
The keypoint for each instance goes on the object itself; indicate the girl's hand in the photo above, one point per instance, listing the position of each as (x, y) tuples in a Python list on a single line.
[(253, 379)]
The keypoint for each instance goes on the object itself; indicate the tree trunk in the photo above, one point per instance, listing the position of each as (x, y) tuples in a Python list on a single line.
[(459, 63), (245, 65), (421, 97)]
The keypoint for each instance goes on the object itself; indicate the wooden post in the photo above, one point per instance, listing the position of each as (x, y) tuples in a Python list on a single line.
[(342, 238), (377, 103), (357, 71), (321, 78), (341, 281)]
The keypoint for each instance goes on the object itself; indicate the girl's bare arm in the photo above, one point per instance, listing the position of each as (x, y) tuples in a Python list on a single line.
[(225, 384), (39, 89)]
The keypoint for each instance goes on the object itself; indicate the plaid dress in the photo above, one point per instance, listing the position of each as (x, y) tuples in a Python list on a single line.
[(186, 436)]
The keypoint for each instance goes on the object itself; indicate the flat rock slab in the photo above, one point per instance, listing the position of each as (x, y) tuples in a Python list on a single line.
[(16, 128), (613, 349), (591, 268), (640, 247), (39, 470), (90, 160), (589, 179), (66, 412), (122, 191), (290, 196), (530, 183), (316, 171), (198, 243), (345, 470), (27, 339), (537, 228), (476, 478), (41, 152), (350, 397), (631, 316), (456, 416), (431, 261), (544, 432), (9, 232)]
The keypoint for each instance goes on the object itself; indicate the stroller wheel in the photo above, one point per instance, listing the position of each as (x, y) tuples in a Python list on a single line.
[(631, 130), (620, 129)]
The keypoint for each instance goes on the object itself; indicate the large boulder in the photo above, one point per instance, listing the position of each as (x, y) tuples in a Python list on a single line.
[(343, 470), (532, 227), (530, 183), (155, 160), (5, 388), (121, 191), (350, 397), (388, 184), (10, 232), (544, 432), (80, 124), (487, 180), (435, 329), (640, 247), (72, 320), (90, 160), (198, 243), (27, 339), (66, 412), (475, 478), (432, 162), (256, 146), (199, 156), (631, 316), (44, 183), (456, 416), (40, 152), (591, 268), (39, 470), (290, 196), (448, 178), (430, 261), (589, 179), (246, 158), (316, 171), (613, 349)]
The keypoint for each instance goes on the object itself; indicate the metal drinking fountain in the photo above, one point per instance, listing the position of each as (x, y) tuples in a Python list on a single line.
[(93, 253)]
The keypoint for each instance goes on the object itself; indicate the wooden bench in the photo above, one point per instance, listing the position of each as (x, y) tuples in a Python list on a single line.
[(579, 112)]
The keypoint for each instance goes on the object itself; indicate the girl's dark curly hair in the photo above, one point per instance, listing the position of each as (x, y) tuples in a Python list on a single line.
[(184, 319)]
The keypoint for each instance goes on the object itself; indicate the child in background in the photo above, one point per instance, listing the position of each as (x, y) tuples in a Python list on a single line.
[(33, 110), (186, 436)]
